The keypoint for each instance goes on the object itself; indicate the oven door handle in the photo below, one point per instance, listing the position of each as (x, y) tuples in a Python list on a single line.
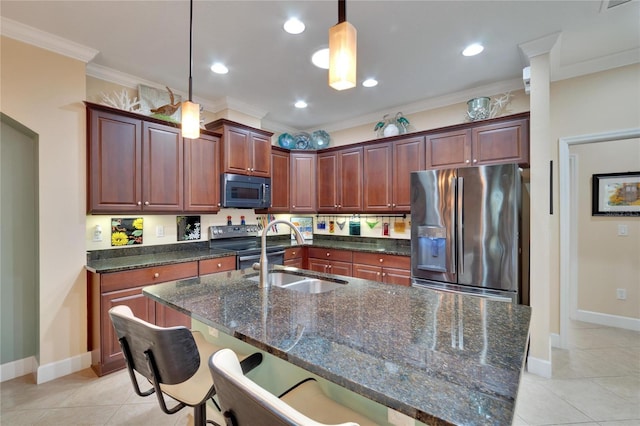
[(257, 256)]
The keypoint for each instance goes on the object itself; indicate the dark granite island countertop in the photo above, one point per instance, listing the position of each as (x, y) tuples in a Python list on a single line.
[(441, 358)]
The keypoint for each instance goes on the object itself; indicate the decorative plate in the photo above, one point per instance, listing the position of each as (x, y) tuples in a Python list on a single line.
[(287, 141), (320, 139), (303, 141)]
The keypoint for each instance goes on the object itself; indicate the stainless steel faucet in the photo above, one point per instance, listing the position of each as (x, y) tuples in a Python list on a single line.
[(264, 280)]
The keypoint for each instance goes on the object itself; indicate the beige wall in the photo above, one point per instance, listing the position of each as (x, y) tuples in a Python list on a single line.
[(593, 103), (606, 261), (44, 92)]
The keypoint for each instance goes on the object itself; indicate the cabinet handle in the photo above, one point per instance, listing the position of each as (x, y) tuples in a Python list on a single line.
[(219, 204), (384, 274), (328, 254), (339, 206), (467, 161), (219, 265), (156, 275), (394, 204), (293, 206), (381, 260), (378, 273), (388, 205), (139, 203), (335, 206), (475, 160), (146, 203), (293, 253), (329, 266)]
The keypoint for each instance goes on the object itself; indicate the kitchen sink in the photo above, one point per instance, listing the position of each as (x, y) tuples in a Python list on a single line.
[(301, 283)]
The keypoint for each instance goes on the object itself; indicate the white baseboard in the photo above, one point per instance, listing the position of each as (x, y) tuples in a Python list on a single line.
[(18, 368), (48, 372), (627, 323), (555, 340), (539, 367)]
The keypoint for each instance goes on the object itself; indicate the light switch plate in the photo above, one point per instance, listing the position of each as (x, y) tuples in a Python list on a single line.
[(623, 230), (159, 231)]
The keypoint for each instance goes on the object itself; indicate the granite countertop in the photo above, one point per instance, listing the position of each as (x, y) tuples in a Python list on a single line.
[(441, 358), (115, 260)]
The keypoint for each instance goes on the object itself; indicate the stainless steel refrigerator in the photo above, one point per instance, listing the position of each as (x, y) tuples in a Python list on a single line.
[(465, 230)]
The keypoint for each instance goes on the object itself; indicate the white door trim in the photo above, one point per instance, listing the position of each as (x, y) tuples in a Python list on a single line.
[(566, 242)]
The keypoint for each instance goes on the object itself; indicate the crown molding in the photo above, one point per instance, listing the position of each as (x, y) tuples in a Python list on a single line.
[(540, 46), (602, 63), (44, 40)]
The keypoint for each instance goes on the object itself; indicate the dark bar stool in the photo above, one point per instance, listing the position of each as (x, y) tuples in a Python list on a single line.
[(172, 359), (245, 403)]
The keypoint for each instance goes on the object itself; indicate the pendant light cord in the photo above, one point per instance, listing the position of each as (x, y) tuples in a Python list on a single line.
[(190, 49), (342, 11)]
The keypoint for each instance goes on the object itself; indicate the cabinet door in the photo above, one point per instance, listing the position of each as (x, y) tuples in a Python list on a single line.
[(448, 150), (169, 317), (327, 183), (260, 162), (303, 183), (202, 174), (280, 182), (115, 163), (162, 168), (318, 265), (396, 276), (408, 156), (294, 263), (339, 268), (220, 264), (236, 150), (350, 185), (506, 142), (142, 307), (377, 178), (367, 272)]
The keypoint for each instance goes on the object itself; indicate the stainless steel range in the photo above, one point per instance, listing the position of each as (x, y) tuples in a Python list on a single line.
[(245, 242)]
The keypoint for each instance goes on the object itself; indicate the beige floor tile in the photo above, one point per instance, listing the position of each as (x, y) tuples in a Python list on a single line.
[(627, 387), (146, 414), (78, 416), (537, 405), (20, 417)]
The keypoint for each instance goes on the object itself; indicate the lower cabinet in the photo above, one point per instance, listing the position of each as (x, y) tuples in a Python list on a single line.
[(330, 261), (382, 267), (294, 257), (125, 288)]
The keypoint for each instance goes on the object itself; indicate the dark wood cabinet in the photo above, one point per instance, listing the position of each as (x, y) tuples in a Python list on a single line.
[(303, 182), (496, 142), (295, 257), (220, 264), (125, 287), (330, 261), (385, 268), (340, 180), (162, 168), (244, 150), (202, 174), (114, 162), (387, 172), (281, 177)]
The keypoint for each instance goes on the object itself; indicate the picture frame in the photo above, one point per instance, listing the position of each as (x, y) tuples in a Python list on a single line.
[(615, 194)]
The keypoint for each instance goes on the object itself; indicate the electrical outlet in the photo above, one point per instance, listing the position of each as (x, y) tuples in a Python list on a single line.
[(159, 231), (621, 293), (623, 230), (398, 419)]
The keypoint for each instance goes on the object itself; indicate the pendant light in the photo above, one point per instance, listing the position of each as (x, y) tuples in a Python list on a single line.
[(190, 110), (342, 51)]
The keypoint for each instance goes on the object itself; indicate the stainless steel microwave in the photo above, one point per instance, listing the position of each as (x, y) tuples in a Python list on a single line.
[(245, 192)]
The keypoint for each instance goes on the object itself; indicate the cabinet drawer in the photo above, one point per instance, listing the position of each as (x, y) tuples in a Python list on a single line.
[(387, 260), (145, 276), (293, 253), (220, 264), (330, 254)]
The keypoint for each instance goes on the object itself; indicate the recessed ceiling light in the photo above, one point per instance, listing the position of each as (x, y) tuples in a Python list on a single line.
[(473, 49), (370, 82), (294, 26), (321, 58), (300, 104), (219, 68)]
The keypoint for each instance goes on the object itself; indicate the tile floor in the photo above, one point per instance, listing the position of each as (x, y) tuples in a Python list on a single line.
[(595, 382)]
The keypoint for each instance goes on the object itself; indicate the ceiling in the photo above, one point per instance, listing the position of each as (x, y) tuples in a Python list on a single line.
[(413, 48)]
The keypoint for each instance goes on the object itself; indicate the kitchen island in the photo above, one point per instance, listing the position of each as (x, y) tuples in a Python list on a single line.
[(441, 358)]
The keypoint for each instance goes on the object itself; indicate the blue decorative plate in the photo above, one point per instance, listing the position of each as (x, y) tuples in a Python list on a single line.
[(303, 141), (287, 141), (321, 139)]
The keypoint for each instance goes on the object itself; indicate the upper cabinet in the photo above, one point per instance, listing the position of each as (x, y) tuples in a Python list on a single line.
[(387, 174), (202, 174), (280, 180), (303, 182), (245, 150), (496, 142), (133, 165), (339, 182), (141, 165)]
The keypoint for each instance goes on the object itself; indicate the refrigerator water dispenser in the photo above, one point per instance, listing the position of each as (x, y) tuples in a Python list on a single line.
[(432, 244)]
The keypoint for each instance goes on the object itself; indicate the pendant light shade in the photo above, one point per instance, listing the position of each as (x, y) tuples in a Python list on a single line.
[(190, 111), (342, 52)]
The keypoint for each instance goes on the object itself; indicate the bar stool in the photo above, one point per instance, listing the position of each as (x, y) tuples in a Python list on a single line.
[(245, 403), (172, 359)]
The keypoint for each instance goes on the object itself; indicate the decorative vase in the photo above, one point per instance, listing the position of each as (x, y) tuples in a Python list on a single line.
[(478, 108), (391, 130)]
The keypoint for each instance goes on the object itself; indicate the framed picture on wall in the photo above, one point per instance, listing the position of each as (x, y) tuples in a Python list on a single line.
[(616, 194)]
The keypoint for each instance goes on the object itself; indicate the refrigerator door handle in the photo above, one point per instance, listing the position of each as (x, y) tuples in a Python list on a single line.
[(460, 225), (452, 251)]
